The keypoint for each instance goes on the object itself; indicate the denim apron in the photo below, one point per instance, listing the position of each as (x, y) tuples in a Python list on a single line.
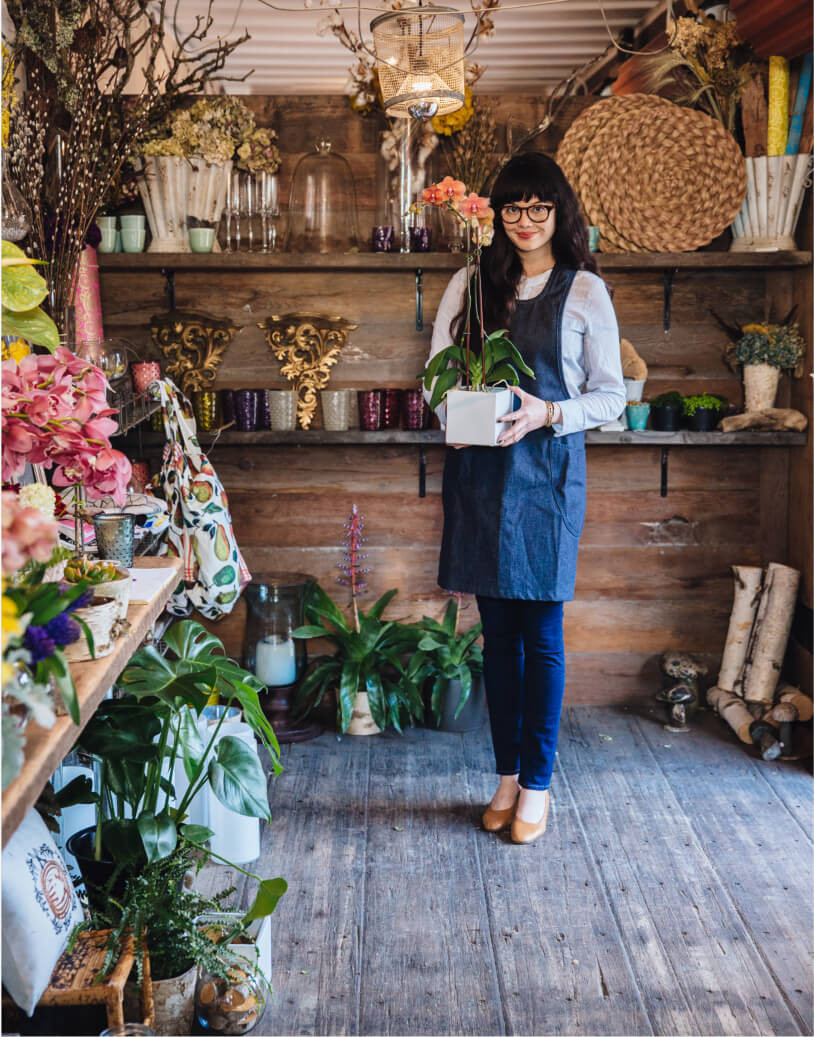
[(513, 515)]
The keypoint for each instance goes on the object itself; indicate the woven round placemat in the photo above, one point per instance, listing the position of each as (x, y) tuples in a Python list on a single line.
[(670, 179), (578, 135)]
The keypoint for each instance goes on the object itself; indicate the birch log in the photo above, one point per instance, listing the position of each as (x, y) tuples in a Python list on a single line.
[(801, 702), (744, 609), (770, 634), (734, 712)]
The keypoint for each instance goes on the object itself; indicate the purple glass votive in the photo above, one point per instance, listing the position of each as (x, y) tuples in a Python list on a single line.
[(227, 406), (246, 409), (391, 408), (383, 239), (263, 410), (415, 414), (420, 239), (370, 409)]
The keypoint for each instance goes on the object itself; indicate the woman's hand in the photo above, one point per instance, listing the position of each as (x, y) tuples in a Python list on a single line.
[(532, 414)]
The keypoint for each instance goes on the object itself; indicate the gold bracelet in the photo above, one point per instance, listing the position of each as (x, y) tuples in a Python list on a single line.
[(550, 407)]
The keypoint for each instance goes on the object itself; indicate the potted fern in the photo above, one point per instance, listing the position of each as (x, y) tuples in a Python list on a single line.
[(453, 661), (702, 412), (472, 378), (665, 411), (366, 671)]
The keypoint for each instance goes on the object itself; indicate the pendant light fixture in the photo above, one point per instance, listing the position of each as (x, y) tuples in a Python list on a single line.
[(420, 61)]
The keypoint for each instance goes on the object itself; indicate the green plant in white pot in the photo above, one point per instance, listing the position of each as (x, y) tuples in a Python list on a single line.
[(452, 660), (485, 371)]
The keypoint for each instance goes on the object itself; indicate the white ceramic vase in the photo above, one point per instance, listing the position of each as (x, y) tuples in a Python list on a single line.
[(208, 184), (774, 196), (163, 186)]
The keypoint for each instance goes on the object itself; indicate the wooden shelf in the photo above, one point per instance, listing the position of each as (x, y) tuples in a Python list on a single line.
[(380, 261), (45, 747), (356, 437)]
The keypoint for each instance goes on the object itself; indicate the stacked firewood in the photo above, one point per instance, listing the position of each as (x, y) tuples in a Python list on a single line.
[(748, 695)]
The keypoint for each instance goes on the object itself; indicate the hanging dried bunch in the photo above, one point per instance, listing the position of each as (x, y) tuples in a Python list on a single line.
[(707, 64), (470, 153)]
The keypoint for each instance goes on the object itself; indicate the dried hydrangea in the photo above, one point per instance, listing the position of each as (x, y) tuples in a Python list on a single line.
[(780, 345), (259, 153), (40, 496)]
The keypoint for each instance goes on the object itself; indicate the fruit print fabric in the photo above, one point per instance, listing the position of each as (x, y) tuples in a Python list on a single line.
[(200, 525)]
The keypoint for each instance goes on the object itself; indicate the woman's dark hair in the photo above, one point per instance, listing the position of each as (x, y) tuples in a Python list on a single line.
[(529, 175)]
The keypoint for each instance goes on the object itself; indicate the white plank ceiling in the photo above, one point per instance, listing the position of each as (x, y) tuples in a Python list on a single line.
[(533, 47)]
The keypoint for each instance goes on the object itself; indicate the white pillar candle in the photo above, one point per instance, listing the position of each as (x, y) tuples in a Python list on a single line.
[(276, 662)]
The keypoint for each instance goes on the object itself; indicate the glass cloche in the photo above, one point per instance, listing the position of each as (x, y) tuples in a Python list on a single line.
[(322, 206)]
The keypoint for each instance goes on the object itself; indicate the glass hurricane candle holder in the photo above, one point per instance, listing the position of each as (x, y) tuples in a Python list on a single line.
[(391, 408), (370, 409)]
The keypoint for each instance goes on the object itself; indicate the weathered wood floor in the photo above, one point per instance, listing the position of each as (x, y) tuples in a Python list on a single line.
[(672, 893)]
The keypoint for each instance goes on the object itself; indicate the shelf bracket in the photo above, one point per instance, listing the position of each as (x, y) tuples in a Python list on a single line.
[(419, 299), (669, 275), (169, 287), (665, 453), (422, 471)]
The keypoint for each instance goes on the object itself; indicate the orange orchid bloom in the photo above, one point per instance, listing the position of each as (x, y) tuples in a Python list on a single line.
[(474, 207), (451, 190), (432, 195)]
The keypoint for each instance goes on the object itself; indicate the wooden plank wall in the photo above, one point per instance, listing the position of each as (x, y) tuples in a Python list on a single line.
[(653, 573)]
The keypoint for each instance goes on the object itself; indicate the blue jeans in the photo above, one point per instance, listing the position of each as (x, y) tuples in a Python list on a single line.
[(524, 674)]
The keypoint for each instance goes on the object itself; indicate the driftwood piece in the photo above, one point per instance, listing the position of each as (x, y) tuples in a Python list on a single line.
[(755, 117), (773, 419), (728, 706), (744, 609), (770, 634), (801, 702)]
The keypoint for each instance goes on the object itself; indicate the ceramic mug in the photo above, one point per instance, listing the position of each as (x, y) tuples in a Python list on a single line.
[(335, 409), (283, 409), (105, 221), (133, 238), (132, 221), (108, 242), (201, 239)]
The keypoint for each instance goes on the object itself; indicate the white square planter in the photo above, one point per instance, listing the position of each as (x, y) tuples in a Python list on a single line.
[(472, 416), (259, 932)]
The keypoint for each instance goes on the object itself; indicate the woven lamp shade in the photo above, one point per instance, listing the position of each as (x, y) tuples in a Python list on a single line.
[(420, 60), (653, 177)]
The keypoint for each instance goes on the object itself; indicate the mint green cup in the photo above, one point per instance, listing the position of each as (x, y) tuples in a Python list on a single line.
[(133, 239), (132, 221), (201, 239)]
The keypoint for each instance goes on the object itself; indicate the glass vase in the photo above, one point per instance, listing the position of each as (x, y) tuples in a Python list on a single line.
[(404, 167), (16, 214)]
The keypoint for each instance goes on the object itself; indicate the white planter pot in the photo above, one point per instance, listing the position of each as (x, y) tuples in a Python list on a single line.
[(361, 721), (174, 1001), (774, 196), (259, 932), (208, 184), (760, 382), (472, 416), (163, 186)]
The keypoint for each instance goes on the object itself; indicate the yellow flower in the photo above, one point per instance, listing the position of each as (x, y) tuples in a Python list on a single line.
[(754, 329), (16, 350), (10, 620), (449, 124)]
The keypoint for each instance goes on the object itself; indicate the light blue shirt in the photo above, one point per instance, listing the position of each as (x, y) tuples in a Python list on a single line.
[(591, 357)]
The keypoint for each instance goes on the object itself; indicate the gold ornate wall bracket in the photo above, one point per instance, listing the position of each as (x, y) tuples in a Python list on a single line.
[(193, 345), (309, 346)]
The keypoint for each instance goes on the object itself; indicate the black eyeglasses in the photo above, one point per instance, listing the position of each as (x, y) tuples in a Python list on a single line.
[(537, 213)]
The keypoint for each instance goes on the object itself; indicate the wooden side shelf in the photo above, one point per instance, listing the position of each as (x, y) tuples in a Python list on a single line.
[(390, 437), (45, 747), (389, 261)]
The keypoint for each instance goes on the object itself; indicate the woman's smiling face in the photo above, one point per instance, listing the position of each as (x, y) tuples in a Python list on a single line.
[(526, 235)]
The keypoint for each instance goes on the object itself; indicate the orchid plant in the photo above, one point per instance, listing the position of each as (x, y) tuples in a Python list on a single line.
[(498, 358), (55, 414)]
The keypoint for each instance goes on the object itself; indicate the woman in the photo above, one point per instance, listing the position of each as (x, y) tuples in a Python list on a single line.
[(513, 516)]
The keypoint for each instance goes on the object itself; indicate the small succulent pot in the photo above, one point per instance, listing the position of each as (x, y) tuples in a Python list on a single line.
[(665, 419), (102, 616), (637, 415), (703, 420)]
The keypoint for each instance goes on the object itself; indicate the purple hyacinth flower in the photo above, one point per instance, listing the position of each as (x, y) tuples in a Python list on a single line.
[(38, 642), (82, 601), (63, 629)]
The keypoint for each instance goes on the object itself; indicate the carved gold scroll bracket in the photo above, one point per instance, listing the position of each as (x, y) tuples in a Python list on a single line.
[(308, 346), (193, 345)]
